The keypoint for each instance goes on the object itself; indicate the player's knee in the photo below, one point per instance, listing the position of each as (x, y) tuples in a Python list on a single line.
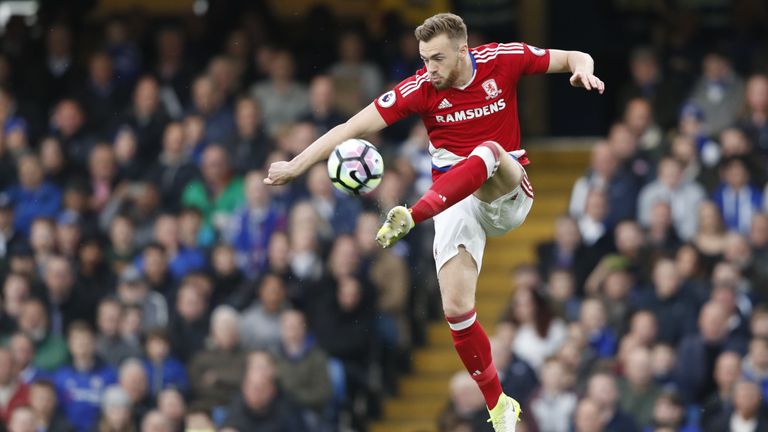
[(490, 153), (457, 305)]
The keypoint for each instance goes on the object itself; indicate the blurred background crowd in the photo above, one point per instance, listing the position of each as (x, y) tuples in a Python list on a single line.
[(151, 281)]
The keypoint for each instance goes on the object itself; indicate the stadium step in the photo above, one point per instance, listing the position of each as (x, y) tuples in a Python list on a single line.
[(424, 393)]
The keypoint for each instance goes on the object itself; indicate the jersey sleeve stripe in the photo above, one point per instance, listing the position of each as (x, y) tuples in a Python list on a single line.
[(499, 46), (500, 51), (413, 89), (487, 59), (414, 83)]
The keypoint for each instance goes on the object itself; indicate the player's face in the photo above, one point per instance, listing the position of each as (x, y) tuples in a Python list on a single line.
[(442, 58)]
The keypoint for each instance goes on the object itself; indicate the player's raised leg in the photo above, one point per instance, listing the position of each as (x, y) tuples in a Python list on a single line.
[(458, 282), (476, 174)]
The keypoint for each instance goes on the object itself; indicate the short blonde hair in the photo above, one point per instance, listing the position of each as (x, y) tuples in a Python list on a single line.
[(448, 24)]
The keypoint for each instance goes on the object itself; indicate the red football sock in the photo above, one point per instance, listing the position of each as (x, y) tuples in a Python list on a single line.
[(474, 348), (457, 183)]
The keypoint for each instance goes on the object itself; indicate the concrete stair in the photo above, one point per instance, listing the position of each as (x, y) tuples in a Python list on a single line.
[(424, 393)]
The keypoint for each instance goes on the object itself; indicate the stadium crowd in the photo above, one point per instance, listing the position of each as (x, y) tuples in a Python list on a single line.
[(150, 281)]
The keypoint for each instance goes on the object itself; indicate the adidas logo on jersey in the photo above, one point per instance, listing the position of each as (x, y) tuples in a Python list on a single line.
[(444, 104)]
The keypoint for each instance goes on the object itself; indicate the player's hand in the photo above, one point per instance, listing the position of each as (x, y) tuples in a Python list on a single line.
[(280, 173), (587, 80)]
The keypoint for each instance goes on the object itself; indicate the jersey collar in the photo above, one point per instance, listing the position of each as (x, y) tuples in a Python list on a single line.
[(474, 72)]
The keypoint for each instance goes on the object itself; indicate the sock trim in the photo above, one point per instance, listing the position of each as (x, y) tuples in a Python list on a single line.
[(463, 321)]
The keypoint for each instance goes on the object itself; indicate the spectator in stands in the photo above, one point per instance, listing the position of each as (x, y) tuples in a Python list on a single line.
[(228, 279), (755, 364), (540, 333), (42, 240), (188, 327), (553, 403), (44, 405), (561, 289), (172, 405), (53, 161), (719, 93), (697, 353), (322, 104), (754, 119), (155, 421), (249, 146), (66, 304), (126, 147), (681, 196), (253, 225), (592, 320), (358, 81), (661, 232), (23, 350), (209, 102), (637, 391), (115, 411), (669, 302), (639, 118), (181, 259), (132, 289), (649, 81), (16, 392), (147, 118), (81, 383), (710, 237), (588, 418), (758, 240), (747, 412), (592, 224), (620, 187), (33, 196), (302, 367), (198, 420), (282, 99), (110, 343), (727, 372), (262, 406), (219, 192), (565, 252), (343, 324), (133, 379), (58, 74), (668, 412), (50, 348), (217, 372), (16, 289), (68, 124), (103, 175), (173, 169), (603, 390), (260, 323), (100, 94), (162, 369), (736, 197)]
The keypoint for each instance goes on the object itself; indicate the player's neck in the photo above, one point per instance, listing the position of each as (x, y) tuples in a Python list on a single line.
[(466, 72)]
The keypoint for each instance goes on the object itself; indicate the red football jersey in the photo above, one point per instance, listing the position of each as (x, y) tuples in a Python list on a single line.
[(459, 119)]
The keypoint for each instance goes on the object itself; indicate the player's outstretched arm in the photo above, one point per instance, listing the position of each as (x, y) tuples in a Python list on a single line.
[(365, 122), (580, 65)]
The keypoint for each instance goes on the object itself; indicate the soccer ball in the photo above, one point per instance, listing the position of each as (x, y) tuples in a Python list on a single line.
[(355, 167)]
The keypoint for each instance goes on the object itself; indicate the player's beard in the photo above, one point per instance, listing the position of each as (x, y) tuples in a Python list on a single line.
[(450, 80)]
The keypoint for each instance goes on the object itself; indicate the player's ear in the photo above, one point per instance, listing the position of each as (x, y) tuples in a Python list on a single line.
[(463, 48)]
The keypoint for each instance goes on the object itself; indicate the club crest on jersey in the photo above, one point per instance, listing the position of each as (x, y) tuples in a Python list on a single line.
[(491, 89)]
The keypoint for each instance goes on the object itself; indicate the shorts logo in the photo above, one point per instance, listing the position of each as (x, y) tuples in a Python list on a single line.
[(536, 51), (491, 89), (387, 99)]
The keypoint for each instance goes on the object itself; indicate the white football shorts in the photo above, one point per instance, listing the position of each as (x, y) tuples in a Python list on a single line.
[(470, 221)]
